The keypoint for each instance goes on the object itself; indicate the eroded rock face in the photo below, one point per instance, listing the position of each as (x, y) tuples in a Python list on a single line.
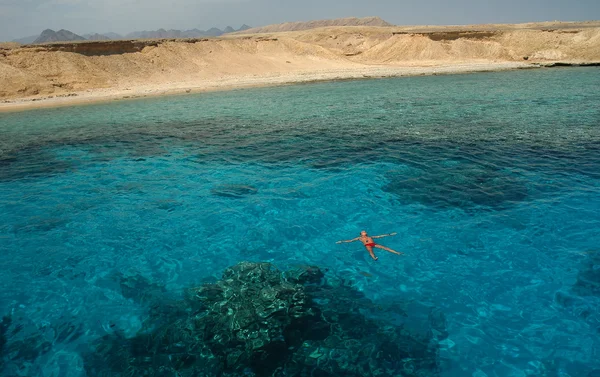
[(259, 321), (107, 47)]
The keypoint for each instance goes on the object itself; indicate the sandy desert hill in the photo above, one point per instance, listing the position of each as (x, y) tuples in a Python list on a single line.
[(8, 45), (140, 67)]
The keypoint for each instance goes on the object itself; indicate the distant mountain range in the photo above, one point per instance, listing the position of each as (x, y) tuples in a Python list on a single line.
[(26, 40), (50, 35), (96, 37), (295, 26), (66, 36), (62, 35), (162, 33)]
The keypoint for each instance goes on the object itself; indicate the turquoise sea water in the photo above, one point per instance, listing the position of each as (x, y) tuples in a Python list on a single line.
[(492, 182)]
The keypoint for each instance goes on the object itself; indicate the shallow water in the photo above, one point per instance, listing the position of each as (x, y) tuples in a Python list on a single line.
[(492, 182)]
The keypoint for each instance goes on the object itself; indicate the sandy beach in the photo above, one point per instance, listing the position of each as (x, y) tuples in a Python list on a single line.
[(90, 96), (63, 74)]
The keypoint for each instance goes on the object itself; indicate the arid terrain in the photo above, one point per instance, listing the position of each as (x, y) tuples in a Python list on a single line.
[(65, 73)]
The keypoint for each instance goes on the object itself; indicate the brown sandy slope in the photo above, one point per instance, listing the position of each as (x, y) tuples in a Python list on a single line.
[(138, 68), (295, 26)]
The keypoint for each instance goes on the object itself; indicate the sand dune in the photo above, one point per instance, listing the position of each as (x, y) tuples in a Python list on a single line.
[(70, 72)]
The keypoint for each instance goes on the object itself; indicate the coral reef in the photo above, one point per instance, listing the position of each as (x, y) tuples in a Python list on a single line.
[(588, 279), (463, 185), (3, 330), (260, 321), (21, 343), (233, 190)]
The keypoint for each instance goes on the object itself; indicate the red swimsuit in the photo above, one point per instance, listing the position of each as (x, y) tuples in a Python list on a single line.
[(372, 244)]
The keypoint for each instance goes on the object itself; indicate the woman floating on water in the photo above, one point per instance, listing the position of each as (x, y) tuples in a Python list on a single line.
[(370, 244)]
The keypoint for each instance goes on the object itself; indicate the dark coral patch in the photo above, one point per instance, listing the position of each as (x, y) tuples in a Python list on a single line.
[(260, 321), (464, 185), (233, 190)]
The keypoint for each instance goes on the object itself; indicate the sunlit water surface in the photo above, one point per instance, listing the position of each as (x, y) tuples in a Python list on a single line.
[(492, 182)]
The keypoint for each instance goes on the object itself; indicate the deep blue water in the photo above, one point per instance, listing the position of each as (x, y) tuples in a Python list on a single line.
[(492, 182)]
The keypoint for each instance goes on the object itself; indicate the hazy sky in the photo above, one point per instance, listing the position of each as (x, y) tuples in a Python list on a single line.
[(20, 18)]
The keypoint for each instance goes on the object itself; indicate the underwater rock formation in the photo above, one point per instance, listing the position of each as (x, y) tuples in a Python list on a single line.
[(259, 321), (465, 185), (3, 330), (233, 191), (21, 343), (579, 300), (588, 279)]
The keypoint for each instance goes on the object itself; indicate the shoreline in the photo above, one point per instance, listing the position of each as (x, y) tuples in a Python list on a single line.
[(69, 74), (105, 95)]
